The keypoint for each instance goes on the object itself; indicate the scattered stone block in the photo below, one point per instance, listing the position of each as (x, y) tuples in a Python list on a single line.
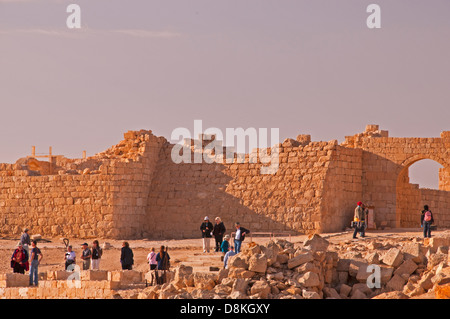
[(393, 257), (300, 259)]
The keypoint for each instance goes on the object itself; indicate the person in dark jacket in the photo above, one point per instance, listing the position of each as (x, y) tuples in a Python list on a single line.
[(126, 256), (206, 227), (218, 232), (241, 232), (163, 260), (426, 220)]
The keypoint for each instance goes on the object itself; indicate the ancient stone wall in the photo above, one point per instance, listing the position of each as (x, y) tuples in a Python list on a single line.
[(182, 195), (107, 202), (385, 181), (135, 190)]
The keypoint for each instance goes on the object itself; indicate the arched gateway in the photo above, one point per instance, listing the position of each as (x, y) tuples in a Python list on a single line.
[(386, 163)]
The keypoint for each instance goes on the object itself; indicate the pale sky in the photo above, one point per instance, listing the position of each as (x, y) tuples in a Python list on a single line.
[(305, 67)]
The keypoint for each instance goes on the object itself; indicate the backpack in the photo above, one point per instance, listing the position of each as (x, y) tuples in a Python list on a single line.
[(427, 216)]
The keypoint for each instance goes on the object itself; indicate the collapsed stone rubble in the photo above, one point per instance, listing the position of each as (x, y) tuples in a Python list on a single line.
[(317, 269), (410, 267)]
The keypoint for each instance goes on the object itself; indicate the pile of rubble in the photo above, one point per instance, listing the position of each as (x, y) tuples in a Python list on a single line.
[(317, 269)]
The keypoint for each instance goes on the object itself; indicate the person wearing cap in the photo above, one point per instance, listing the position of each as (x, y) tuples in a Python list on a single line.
[(19, 260), (218, 232), (86, 256), (69, 257), (360, 219), (206, 228)]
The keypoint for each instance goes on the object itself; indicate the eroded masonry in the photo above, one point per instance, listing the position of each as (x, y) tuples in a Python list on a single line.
[(135, 190)]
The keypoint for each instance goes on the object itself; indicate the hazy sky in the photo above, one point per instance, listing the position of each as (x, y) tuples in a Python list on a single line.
[(305, 67)]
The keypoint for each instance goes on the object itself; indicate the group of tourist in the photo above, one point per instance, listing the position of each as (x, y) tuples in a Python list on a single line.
[(90, 257), (360, 220), (222, 241), (23, 259), (218, 231)]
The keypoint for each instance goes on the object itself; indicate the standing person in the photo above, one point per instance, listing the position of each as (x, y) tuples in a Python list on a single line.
[(163, 260), (227, 257), (86, 256), (25, 240), (126, 256), (69, 257), (218, 232), (96, 255), (360, 219), (151, 258), (426, 220), (19, 260), (224, 247), (241, 232), (206, 227), (36, 257)]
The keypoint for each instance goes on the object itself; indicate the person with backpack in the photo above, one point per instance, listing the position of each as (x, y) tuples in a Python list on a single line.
[(426, 220)]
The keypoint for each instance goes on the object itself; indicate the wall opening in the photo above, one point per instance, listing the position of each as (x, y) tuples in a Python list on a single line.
[(420, 183), (425, 173)]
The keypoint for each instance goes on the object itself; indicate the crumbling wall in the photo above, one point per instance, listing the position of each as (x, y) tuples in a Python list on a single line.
[(107, 202)]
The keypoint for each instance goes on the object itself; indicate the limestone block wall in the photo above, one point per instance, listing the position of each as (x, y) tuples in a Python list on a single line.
[(385, 165), (289, 200), (135, 190), (343, 188), (109, 202)]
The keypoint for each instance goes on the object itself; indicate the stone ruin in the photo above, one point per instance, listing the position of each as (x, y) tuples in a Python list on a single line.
[(134, 189)]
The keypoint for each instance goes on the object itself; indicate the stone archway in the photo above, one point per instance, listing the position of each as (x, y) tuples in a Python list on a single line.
[(410, 198)]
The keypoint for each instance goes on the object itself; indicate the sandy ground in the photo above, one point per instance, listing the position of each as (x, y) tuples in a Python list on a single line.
[(187, 251)]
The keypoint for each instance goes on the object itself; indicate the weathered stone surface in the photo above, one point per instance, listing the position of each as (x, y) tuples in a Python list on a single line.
[(413, 251), (316, 243), (394, 257), (300, 259), (237, 261), (406, 268), (257, 263), (396, 283), (310, 279), (261, 288)]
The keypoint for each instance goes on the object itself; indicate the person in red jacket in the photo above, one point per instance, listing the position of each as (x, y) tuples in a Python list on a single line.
[(19, 260)]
